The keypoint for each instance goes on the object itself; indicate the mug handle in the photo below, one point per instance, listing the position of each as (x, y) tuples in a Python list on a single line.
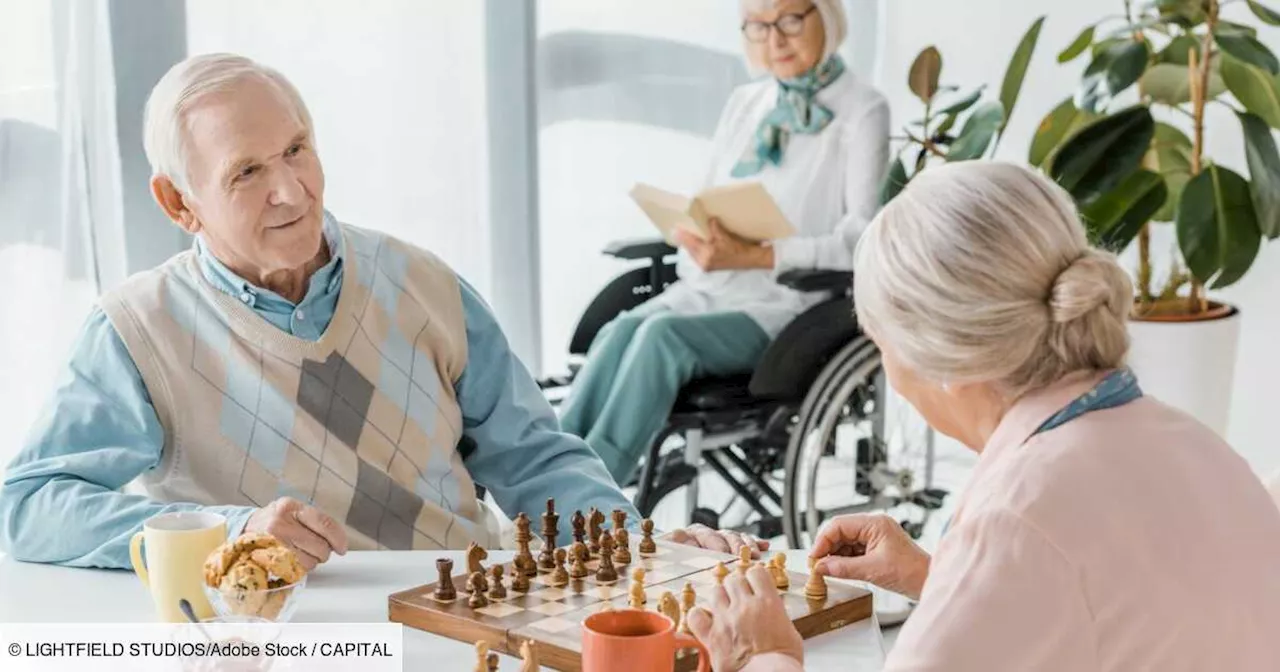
[(684, 641), (135, 556)]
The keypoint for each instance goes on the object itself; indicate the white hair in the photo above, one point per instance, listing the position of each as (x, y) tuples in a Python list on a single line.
[(981, 272), (181, 88), (835, 25)]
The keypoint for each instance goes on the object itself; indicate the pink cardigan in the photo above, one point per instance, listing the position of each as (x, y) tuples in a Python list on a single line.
[(1131, 538)]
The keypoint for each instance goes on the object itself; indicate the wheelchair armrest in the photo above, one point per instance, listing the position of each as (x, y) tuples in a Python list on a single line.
[(639, 248), (817, 280)]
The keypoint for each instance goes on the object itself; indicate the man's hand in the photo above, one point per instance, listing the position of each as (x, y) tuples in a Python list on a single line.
[(310, 532), (872, 548), (723, 251), (746, 618), (717, 540)]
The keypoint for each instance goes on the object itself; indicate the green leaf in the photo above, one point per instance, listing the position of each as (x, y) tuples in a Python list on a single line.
[(1237, 28), (1178, 50), (1187, 13), (1264, 168), (1257, 90), (1016, 73), (962, 104), (946, 124), (1217, 228), (1078, 46), (1104, 153), (1171, 84), (1056, 127), (1118, 215), (1170, 155), (977, 133), (895, 180), (1248, 49), (1110, 73), (925, 71), (1266, 14)]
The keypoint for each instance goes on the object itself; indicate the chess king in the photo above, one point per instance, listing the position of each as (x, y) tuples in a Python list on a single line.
[(329, 384)]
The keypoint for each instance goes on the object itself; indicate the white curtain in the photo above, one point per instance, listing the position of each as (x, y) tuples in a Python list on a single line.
[(61, 222)]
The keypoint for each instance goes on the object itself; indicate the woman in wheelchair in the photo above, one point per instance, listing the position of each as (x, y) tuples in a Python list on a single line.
[(1101, 529), (817, 139)]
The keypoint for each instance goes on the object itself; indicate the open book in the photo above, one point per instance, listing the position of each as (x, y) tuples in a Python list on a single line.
[(744, 208)]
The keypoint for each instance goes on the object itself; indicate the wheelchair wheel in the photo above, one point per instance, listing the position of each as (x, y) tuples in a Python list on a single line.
[(857, 447)]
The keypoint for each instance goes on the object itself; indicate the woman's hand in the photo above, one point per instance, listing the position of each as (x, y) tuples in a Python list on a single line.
[(717, 540), (872, 548), (723, 251), (746, 618)]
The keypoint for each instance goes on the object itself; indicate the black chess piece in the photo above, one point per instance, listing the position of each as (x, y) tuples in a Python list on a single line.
[(444, 587), (579, 525), (547, 558)]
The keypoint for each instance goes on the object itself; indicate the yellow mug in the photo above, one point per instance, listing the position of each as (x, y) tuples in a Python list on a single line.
[(175, 546)]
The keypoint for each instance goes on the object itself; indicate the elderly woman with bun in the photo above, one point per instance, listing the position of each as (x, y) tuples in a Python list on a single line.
[(1101, 529)]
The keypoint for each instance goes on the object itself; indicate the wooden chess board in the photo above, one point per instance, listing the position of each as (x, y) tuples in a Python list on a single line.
[(553, 616)]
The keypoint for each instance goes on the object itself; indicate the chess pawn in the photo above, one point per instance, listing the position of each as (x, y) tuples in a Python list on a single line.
[(445, 592), (778, 567), (688, 598), (560, 576), (637, 598), (496, 590), (482, 656), (493, 662), (720, 572), (578, 568), (669, 607), (744, 560), (520, 582), (622, 547), (475, 586), (647, 545), (606, 573), (816, 588)]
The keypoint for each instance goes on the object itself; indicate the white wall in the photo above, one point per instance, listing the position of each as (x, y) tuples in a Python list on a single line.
[(396, 89), (976, 39)]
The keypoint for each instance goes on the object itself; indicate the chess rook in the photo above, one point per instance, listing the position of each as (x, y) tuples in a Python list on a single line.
[(619, 519), (444, 586), (547, 559)]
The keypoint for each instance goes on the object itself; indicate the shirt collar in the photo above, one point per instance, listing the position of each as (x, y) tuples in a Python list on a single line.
[(326, 280)]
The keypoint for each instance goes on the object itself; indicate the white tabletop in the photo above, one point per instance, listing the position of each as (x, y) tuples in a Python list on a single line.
[(350, 589)]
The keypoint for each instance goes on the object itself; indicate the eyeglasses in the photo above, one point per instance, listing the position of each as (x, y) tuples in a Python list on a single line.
[(788, 24)]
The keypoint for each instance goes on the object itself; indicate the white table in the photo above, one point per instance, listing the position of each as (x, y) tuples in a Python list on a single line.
[(350, 589)]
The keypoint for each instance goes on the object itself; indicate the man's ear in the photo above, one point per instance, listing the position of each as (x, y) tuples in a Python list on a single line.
[(174, 204)]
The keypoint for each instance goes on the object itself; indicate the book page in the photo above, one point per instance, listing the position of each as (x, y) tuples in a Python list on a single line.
[(666, 210), (744, 208)]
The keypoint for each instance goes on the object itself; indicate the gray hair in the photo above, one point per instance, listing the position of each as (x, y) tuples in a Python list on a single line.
[(835, 25), (181, 88), (981, 272)]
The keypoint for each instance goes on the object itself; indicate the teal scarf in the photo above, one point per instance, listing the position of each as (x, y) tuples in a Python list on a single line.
[(796, 111)]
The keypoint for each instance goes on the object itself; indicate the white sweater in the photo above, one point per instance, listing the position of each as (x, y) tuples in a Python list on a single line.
[(828, 186)]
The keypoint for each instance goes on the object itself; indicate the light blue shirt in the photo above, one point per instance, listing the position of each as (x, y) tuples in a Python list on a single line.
[(61, 500)]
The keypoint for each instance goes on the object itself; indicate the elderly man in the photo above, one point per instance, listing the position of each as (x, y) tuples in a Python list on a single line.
[(325, 383)]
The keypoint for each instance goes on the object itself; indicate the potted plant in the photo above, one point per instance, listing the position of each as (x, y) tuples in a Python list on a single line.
[(934, 137), (1143, 162)]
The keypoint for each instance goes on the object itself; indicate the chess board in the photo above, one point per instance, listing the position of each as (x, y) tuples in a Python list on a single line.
[(553, 616)]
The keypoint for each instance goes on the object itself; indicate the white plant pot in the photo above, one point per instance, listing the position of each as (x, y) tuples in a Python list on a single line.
[(1188, 365)]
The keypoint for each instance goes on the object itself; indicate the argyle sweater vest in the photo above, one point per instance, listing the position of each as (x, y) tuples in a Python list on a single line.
[(363, 423)]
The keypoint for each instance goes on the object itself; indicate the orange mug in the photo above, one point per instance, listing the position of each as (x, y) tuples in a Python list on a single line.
[(631, 639)]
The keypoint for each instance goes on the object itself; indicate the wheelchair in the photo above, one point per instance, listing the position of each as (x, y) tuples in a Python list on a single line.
[(814, 432)]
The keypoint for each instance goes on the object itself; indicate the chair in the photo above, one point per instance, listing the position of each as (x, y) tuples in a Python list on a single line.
[(771, 435)]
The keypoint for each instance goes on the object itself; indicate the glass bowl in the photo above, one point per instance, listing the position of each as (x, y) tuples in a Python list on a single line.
[(275, 605)]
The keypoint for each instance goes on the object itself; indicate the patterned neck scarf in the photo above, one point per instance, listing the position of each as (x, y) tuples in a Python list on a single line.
[(796, 111)]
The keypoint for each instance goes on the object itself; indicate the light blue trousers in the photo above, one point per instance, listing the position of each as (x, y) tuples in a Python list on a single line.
[(635, 368)]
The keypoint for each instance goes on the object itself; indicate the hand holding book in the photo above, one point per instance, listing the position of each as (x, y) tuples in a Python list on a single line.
[(722, 250)]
